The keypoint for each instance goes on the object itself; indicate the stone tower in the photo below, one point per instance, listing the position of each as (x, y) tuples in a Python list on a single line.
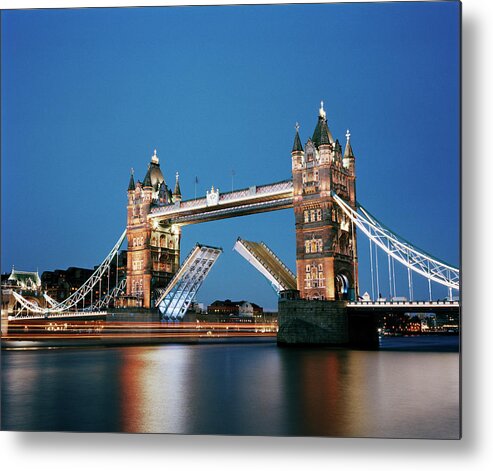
[(326, 257), (153, 250)]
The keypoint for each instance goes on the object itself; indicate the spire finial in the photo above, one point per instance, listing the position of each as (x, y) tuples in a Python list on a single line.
[(155, 159), (297, 126), (321, 111), (348, 135), (177, 176), (131, 171)]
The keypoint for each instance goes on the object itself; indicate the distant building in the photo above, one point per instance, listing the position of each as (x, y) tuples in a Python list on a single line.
[(26, 283), (448, 321), (21, 280), (60, 284), (234, 308)]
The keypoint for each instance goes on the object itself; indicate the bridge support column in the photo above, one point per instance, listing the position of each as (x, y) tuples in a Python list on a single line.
[(314, 322), (319, 322)]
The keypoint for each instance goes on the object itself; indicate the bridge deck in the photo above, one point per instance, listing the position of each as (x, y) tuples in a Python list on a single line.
[(405, 306)]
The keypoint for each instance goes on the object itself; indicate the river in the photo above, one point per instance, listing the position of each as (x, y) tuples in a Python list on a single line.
[(245, 388)]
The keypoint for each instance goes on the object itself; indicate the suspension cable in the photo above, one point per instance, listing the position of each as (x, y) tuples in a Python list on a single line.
[(371, 268), (405, 253), (390, 272), (376, 267)]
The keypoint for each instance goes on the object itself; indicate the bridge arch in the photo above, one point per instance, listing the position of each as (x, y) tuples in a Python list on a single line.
[(344, 285)]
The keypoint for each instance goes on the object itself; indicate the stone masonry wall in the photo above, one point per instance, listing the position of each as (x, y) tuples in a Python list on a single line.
[(314, 322)]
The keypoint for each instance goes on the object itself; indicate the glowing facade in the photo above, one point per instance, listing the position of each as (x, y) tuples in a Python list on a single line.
[(153, 249), (326, 260)]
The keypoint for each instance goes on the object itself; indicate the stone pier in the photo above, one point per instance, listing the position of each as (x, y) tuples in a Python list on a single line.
[(317, 322)]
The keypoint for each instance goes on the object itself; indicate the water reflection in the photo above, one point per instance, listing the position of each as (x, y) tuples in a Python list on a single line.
[(250, 389)]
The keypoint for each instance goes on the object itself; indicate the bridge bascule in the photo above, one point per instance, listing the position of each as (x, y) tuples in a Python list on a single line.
[(327, 215)]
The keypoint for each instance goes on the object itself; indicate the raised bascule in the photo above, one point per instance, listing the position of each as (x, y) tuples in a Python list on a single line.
[(322, 193)]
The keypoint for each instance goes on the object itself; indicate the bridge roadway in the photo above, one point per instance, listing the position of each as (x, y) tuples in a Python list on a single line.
[(216, 205), (380, 307)]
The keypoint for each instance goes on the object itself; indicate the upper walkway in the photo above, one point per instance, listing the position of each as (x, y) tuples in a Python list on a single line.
[(216, 205)]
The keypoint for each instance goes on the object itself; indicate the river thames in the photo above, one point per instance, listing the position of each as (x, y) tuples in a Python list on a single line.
[(244, 388)]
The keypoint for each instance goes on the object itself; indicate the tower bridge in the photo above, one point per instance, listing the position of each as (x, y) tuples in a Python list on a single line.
[(326, 255), (322, 193)]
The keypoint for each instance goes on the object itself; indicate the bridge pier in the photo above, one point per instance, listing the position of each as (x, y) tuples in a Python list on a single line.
[(329, 323)]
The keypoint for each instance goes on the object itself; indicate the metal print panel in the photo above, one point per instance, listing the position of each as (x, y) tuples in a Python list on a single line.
[(140, 146)]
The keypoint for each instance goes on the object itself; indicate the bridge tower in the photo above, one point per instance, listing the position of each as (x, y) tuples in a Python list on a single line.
[(153, 249), (326, 256)]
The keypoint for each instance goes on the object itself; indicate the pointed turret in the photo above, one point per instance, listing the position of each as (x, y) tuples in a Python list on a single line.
[(147, 179), (348, 152), (177, 192), (348, 159), (131, 184), (297, 154), (322, 134), (297, 147)]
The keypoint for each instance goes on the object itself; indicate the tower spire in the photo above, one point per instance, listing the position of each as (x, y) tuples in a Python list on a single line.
[(147, 178), (297, 141), (131, 184), (177, 191), (322, 134), (348, 152)]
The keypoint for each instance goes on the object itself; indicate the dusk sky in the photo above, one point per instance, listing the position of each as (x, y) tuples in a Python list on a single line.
[(86, 94)]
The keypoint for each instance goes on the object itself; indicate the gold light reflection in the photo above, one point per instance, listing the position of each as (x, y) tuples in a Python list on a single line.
[(154, 389)]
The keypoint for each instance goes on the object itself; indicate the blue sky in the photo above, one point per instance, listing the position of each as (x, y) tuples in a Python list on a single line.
[(87, 94)]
